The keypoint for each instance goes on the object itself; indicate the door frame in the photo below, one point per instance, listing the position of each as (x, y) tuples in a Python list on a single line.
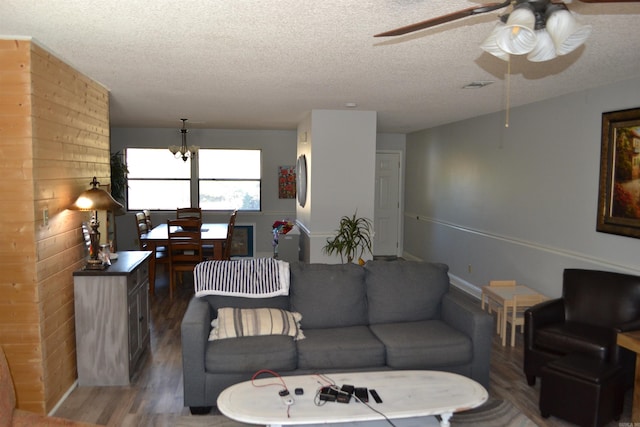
[(400, 224)]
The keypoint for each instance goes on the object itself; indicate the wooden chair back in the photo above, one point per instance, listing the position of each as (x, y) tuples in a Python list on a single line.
[(516, 312), (185, 247), (226, 250), (142, 228), (189, 213), (502, 283), (147, 217)]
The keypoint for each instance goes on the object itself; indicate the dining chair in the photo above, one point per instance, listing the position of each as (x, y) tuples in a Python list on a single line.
[(515, 315), (226, 250), (185, 247), (493, 305), (160, 253), (142, 227), (189, 213), (147, 216)]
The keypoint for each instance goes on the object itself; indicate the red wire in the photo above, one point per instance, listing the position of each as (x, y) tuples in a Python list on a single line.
[(267, 371), (275, 374)]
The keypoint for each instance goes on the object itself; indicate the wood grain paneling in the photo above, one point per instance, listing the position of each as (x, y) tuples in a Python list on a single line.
[(54, 123)]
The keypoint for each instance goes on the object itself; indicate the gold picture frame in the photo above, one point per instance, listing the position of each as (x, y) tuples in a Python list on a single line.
[(619, 188)]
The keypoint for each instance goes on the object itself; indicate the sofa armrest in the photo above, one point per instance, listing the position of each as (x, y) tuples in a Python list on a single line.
[(478, 325), (195, 328), (629, 326)]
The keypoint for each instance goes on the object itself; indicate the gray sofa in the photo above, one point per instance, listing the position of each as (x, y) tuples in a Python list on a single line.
[(385, 315)]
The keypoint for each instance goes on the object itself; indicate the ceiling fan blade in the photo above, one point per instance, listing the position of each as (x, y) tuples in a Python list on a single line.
[(450, 17)]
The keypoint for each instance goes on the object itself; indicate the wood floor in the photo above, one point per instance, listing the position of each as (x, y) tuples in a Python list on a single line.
[(155, 396)]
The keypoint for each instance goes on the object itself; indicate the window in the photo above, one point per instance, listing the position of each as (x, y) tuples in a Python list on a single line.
[(228, 179)]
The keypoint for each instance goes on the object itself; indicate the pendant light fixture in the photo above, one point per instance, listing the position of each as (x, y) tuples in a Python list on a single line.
[(182, 152)]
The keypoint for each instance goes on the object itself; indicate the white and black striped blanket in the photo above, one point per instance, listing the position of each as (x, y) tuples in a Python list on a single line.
[(249, 278)]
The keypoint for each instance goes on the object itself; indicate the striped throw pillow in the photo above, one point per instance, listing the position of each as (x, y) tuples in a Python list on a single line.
[(248, 322)]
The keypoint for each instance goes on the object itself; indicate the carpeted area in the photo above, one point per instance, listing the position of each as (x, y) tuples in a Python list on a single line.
[(494, 413)]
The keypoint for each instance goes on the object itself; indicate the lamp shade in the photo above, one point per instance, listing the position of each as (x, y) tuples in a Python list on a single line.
[(544, 49), (518, 37), (566, 32), (96, 199), (490, 44)]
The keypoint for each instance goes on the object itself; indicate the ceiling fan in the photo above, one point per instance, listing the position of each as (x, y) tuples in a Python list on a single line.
[(543, 29)]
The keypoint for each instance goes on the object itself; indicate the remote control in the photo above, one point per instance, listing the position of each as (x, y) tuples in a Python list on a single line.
[(362, 394), (286, 397), (375, 396)]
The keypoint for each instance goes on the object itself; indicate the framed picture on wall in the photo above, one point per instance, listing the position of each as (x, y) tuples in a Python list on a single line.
[(286, 182), (619, 192)]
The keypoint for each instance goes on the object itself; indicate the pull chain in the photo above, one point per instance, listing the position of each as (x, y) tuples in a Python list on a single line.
[(508, 106)]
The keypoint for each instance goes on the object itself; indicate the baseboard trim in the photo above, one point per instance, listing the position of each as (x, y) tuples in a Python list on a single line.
[(63, 398)]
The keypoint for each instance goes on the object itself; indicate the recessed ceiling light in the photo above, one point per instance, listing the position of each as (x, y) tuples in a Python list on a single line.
[(478, 85), (350, 105)]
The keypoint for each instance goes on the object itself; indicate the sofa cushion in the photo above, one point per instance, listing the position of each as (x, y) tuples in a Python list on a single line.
[(405, 291), (250, 354), (428, 344), (248, 322), (328, 295), (343, 348)]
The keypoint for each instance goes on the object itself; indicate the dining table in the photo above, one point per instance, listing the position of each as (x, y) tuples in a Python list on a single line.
[(212, 234)]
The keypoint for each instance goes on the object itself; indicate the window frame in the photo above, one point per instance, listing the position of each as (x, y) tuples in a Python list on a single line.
[(195, 180)]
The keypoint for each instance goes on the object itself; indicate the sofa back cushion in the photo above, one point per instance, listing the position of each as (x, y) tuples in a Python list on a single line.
[(328, 295), (405, 291), (601, 298), (219, 301)]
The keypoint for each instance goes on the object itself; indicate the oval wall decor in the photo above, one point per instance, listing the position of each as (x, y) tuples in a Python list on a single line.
[(301, 179)]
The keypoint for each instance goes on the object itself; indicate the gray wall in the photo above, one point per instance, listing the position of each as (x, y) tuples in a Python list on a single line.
[(278, 149), (519, 202)]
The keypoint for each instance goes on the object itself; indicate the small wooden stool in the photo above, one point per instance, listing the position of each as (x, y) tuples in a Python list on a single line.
[(581, 389)]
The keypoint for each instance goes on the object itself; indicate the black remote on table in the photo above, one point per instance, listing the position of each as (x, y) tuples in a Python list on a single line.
[(375, 396)]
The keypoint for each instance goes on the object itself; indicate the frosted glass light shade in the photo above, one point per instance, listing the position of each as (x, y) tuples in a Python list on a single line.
[(518, 37), (490, 45), (566, 32), (544, 49)]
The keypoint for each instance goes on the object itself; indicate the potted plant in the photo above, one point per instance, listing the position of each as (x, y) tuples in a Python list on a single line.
[(352, 238), (118, 177)]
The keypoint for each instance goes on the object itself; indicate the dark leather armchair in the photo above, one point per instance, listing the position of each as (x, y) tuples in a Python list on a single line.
[(594, 307)]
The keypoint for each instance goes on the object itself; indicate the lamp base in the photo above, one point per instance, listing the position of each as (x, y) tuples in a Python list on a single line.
[(95, 264)]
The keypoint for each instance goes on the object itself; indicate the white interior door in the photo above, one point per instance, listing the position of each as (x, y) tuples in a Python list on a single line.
[(387, 205)]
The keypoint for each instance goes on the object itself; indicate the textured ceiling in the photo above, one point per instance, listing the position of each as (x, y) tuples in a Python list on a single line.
[(251, 64)]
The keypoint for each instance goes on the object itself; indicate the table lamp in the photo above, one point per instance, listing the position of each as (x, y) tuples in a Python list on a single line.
[(95, 199)]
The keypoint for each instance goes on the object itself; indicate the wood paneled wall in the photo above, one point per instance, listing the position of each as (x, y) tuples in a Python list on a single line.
[(54, 127)]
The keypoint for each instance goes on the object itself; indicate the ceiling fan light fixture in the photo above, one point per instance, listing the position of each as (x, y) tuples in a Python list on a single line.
[(567, 33), (544, 49), (518, 37), (490, 44)]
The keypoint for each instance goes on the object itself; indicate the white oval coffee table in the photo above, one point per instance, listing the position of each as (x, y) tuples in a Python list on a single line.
[(404, 394)]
